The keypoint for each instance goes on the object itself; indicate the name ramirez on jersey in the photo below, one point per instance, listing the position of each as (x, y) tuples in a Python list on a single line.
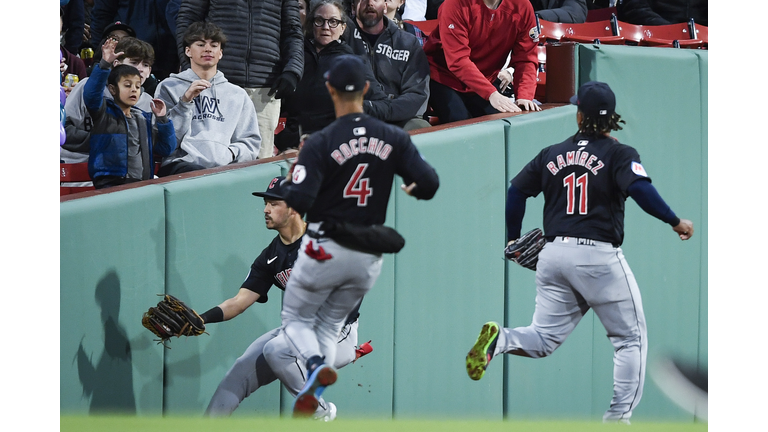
[(581, 158)]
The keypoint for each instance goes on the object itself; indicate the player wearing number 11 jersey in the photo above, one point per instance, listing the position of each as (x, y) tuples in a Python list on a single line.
[(343, 174), (585, 180)]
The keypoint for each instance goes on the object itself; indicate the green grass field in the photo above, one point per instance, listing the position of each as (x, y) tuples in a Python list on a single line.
[(186, 424)]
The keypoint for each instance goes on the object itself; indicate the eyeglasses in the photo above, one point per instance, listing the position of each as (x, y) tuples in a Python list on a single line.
[(320, 22)]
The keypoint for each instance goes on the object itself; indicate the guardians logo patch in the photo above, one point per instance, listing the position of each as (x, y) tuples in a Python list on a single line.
[(534, 34)]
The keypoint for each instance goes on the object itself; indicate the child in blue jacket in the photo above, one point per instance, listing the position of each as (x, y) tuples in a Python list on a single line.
[(123, 139)]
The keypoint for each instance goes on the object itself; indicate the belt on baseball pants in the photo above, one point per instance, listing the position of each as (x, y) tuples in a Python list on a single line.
[(314, 231), (579, 241)]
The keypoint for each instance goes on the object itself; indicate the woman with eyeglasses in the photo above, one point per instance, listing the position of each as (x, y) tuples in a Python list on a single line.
[(310, 108)]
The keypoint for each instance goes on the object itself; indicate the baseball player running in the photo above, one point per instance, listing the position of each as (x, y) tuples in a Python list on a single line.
[(585, 181), (273, 267), (342, 180)]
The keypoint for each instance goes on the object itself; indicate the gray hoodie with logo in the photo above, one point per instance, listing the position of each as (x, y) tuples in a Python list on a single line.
[(216, 128)]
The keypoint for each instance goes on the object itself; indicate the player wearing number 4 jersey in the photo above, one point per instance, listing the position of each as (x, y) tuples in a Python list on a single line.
[(585, 180), (273, 267), (342, 180)]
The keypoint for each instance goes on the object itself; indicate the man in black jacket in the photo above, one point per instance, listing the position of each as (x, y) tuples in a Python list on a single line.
[(656, 12), (398, 62), (564, 11), (265, 53)]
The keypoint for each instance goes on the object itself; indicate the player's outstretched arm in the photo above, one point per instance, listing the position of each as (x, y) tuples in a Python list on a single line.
[(232, 307), (684, 229)]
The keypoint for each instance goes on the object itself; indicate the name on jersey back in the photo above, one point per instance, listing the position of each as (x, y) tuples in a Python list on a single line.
[(361, 145), (579, 157)]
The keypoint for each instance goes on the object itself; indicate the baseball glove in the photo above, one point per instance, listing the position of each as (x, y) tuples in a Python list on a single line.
[(171, 317), (525, 250)]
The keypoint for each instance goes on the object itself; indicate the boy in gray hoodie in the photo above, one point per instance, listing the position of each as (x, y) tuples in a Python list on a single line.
[(215, 121)]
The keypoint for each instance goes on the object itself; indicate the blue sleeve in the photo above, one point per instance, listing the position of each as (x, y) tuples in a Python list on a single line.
[(166, 138), (93, 92), (648, 198), (514, 212)]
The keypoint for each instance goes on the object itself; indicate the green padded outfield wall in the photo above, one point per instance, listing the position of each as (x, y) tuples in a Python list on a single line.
[(112, 264), (215, 229), (662, 95), (196, 238), (449, 277)]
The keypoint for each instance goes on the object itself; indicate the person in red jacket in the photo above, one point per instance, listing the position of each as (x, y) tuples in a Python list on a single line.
[(470, 46)]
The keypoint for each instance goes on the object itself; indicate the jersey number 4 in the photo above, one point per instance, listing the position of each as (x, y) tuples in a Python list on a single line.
[(571, 183), (357, 186)]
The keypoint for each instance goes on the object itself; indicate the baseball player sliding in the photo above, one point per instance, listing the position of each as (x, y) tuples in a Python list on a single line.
[(585, 180), (342, 180), (273, 267)]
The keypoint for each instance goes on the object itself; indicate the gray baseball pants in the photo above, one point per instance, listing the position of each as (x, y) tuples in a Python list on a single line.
[(320, 295), (573, 276), (252, 371)]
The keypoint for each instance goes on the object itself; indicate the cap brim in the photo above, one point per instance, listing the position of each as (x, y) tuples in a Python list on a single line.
[(124, 27), (267, 195), (574, 100)]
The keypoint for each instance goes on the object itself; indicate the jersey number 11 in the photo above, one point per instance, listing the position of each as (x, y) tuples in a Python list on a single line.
[(570, 182)]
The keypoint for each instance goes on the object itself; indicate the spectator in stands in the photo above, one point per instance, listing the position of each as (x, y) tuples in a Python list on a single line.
[(662, 12), (116, 31), (398, 61), (71, 64), (132, 52), (147, 18), (124, 138), (395, 14), (466, 51), (73, 18), (415, 10), (214, 120), (87, 9), (303, 8), (310, 108), (564, 11), (171, 13), (264, 54)]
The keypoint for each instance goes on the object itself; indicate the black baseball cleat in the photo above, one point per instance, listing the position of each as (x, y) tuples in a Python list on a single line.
[(481, 353)]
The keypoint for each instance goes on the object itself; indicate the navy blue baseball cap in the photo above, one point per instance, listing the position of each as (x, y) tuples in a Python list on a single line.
[(117, 25), (347, 73), (274, 190), (595, 99)]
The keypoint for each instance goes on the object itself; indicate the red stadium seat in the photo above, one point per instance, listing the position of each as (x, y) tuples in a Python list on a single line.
[(589, 32), (632, 33), (671, 35), (702, 33), (75, 178)]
